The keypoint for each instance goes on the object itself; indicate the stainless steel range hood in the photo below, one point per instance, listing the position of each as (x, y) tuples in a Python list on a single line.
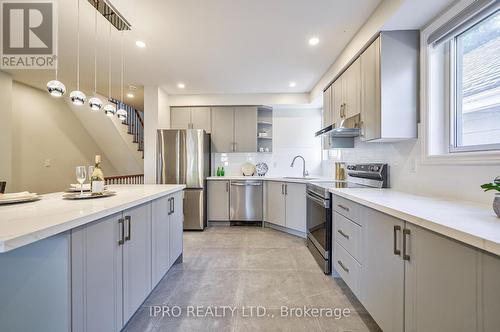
[(343, 136)]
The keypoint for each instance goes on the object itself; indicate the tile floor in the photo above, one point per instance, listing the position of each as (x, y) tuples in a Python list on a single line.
[(243, 268)]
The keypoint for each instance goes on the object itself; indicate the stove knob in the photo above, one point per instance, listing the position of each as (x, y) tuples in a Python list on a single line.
[(376, 168)]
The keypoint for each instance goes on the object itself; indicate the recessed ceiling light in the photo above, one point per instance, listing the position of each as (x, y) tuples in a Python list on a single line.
[(292, 84), (314, 41), (181, 85), (130, 95), (140, 43)]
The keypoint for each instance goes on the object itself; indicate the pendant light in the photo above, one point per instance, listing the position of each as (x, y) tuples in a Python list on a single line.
[(121, 113), (95, 103), (77, 97), (55, 87), (109, 108)]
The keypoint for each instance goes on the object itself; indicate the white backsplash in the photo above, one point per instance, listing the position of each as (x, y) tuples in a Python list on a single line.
[(407, 173)]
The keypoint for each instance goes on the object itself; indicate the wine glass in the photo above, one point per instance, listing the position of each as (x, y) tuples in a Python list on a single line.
[(81, 175)]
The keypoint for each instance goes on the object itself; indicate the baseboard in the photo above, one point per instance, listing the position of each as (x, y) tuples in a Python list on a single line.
[(286, 230)]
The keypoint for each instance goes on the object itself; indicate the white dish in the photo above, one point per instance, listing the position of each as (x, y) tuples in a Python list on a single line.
[(18, 198), (88, 195), (248, 169)]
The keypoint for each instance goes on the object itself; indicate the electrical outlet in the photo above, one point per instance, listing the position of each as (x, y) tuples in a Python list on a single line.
[(46, 163)]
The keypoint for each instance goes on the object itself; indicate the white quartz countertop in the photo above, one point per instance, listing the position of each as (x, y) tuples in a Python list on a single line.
[(269, 178), (22, 224), (473, 224)]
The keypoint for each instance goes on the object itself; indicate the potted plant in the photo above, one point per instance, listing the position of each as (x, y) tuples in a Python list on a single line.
[(495, 185)]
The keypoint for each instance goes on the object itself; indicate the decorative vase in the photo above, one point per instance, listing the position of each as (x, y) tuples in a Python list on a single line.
[(496, 204)]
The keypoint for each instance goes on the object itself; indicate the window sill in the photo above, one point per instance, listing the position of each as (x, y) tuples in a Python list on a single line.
[(463, 158)]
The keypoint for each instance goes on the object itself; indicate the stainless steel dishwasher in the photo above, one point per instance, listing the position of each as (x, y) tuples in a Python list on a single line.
[(245, 200)]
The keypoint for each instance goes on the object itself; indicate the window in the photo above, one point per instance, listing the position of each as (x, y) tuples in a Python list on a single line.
[(475, 64)]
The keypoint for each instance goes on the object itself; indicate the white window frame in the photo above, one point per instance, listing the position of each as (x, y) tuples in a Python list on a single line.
[(438, 129)]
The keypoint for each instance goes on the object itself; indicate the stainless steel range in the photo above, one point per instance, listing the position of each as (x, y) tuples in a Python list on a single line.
[(319, 207)]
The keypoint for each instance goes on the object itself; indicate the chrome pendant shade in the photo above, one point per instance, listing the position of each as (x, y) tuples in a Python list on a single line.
[(77, 97), (121, 114), (56, 88), (95, 104), (109, 109)]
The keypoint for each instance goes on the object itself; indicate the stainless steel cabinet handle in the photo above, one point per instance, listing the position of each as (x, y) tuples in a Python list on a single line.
[(129, 228), (282, 189), (286, 189), (343, 234), (170, 210), (173, 205), (227, 186), (322, 202), (121, 232), (343, 266), (406, 234), (343, 207), (397, 229)]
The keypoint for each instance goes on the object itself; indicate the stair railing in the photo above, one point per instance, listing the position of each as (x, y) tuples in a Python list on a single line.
[(135, 123), (125, 179)]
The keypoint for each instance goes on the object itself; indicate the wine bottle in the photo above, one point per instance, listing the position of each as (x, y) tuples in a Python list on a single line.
[(97, 178)]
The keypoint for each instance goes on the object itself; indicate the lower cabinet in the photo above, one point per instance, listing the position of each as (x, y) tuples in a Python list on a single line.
[(218, 200), (415, 280), (286, 205), (116, 261)]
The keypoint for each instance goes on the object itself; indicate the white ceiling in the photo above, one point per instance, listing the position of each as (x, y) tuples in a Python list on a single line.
[(214, 47)]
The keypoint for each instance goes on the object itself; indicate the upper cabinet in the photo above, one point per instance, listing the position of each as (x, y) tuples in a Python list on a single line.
[(381, 86), (389, 87), (234, 129), (191, 118)]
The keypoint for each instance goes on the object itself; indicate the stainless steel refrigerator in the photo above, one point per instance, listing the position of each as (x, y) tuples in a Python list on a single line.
[(183, 157)]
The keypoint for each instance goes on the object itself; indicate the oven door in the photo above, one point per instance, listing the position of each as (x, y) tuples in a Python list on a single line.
[(319, 229)]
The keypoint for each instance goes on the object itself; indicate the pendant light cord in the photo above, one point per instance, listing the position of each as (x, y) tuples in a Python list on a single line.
[(78, 48), (95, 51), (109, 62), (121, 50)]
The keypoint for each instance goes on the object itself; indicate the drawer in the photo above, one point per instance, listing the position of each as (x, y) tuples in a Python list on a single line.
[(348, 234), (348, 268), (347, 208)]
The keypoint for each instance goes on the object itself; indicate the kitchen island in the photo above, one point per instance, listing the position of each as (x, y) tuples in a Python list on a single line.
[(86, 265)]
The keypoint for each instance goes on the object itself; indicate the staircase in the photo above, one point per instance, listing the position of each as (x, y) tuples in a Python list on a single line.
[(135, 123)]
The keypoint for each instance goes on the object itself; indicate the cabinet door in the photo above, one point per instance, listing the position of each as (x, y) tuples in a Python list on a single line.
[(96, 276), (296, 206), (352, 89), (176, 226), (370, 92), (245, 129), (276, 203), (337, 101), (160, 238), (382, 277), (218, 200), (490, 292), (222, 129), (136, 258), (327, 107), (440, 283), (201, 119), (180, 117)]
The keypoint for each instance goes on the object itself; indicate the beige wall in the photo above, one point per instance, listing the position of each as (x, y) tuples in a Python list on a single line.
[(44, 128)]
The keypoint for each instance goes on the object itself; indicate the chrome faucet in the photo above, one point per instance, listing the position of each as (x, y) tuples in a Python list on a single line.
[(304, 172)]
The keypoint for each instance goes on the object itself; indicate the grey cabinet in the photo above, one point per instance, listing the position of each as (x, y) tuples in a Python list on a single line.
[(295, 215), (337, 101), (191, 118), (136, 258), (382, 276), (116, 261), (96, 275), (286, 205), (222, 129), (176, 226), (389, 87), (245, 129), (440, 283), (352, 90), (489, 292), (276, 208), (160, 238), (234, 129), (218, 200)]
